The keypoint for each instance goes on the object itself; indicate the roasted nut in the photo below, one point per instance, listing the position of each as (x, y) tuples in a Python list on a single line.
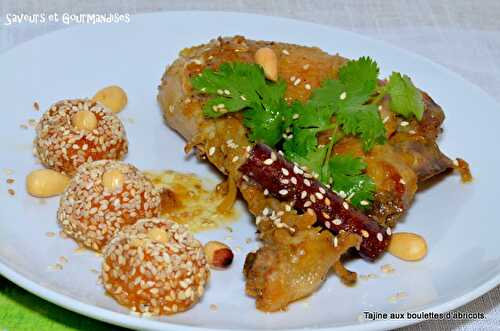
[(84, 120), (113, 97), (158, 234), (113, 180), (218, 255), (266, 57), (45, 183), (408, 246)]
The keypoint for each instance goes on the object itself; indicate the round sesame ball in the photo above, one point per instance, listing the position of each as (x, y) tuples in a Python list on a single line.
[(92, 213), (155, 267), (62, 146)]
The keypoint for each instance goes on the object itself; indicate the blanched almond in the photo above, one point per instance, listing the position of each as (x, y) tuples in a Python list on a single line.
[(408, 246), (113, 180), (266, 57), (45, 183)]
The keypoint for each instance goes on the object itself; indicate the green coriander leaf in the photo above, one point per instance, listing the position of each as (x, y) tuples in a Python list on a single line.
[(359, 78), (242, 86), (266, 124), (363, 121), (327, 95), (303, 149), (347, 175), (406, 99)]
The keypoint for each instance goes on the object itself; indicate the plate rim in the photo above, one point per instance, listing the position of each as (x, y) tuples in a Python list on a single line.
[(129, 320)]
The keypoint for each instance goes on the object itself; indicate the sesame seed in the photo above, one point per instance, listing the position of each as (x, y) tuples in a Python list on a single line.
[(322, 190), (307, 203), (211, 151), (283, 192), (297, 170), (295, 116), (404, 123), (388, 231), (292, 78), (327, 224), (307, 182), (285, 52), (412, 132), (318, 195), (266, 191), (307, 86), (312, 198), (337, 221), (242, 97), (285, 171), (305, 66), (327, 202), (364, 203), (380, 237), (385, 119), (236, 158), (342, 194), (345, 205), (402, 181), (273, 156), (293, 180), (268, 161), (365, 233), (227, 92), (303, 194), (219, 91), (335, 241), (325, 215), (379, 107), (343, 95)]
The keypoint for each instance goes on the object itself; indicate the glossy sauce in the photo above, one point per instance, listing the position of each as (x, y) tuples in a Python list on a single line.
[(188, 200)]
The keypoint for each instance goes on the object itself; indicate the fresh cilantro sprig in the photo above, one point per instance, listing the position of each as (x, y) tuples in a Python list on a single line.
[(242, 86), (406, 99), (348, 178), (343, 106)]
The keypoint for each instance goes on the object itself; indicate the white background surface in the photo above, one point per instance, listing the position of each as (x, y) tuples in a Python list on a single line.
[(462, 35)]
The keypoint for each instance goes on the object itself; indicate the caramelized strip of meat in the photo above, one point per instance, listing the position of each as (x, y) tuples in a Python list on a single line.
[(347, 277), (287, 268), (286, 182)]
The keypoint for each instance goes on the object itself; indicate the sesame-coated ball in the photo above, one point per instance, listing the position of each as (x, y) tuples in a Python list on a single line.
[(155, 267), (73, 132), (103, 197)]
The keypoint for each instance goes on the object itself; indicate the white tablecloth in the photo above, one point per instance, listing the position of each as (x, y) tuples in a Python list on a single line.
[(462, 35)]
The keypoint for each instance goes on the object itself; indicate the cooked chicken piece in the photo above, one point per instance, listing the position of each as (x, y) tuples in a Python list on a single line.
[(223, 141)]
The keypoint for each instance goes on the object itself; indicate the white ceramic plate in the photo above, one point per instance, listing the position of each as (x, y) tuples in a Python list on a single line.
[(456, 219)]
